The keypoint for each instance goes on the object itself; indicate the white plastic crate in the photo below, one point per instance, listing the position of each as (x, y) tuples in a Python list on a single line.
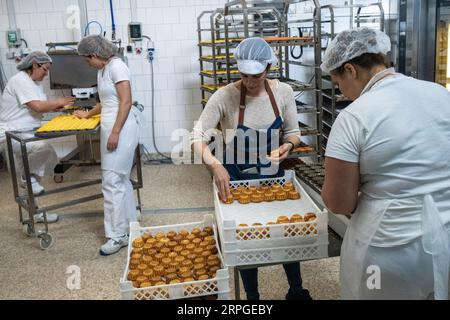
[(270, 243), (218, 286)]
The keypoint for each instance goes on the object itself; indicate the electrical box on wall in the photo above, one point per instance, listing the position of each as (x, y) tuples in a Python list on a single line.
[(135, 31), (14, 38)]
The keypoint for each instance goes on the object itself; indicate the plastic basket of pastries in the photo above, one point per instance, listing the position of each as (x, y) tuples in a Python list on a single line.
[(68, 124), (268, 214), (174, 262)]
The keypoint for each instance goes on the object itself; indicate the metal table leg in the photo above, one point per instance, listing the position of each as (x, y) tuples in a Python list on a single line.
[(237, 287)]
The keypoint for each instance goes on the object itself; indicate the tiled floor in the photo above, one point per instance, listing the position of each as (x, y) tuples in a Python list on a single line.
[(172, 195)]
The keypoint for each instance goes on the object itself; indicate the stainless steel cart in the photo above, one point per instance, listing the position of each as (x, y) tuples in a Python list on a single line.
[(28, 201)]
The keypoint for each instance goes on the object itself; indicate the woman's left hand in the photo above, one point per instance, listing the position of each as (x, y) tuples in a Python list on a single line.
[(113, 142), (279, 155)]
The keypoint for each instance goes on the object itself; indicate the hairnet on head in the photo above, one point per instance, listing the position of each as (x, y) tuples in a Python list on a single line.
[(253, 55), (98, 45), (353, 43), (36, 56)]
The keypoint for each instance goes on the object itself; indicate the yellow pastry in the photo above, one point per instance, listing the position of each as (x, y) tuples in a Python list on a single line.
[(138, 243), (256, 198), (133, 274), (293, 195), (281, 196), (269, 196), (244, 199)]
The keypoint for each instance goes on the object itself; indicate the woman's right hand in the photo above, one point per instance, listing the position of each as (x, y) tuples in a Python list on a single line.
[(65, 101), (81, 114), (222, 179)]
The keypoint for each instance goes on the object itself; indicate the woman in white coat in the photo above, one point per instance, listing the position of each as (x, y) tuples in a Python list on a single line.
[(119, 138), (22, 106), (388, 165)]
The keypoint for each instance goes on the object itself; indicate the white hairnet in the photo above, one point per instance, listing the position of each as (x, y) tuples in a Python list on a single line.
[(98, 45), (353, 43), (253, 55), (36, 56)]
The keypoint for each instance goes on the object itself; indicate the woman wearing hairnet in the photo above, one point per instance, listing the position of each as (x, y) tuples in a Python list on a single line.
[(22, 105), (253, 113), (119, 137), (388, 165)]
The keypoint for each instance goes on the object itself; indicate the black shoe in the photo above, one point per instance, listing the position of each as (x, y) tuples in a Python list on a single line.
[(303, 295)]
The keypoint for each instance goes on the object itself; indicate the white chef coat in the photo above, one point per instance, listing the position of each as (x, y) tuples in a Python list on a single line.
[(399, 133), (14, 112)]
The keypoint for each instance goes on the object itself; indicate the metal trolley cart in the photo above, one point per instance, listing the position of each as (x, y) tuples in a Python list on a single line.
[(28, 201)]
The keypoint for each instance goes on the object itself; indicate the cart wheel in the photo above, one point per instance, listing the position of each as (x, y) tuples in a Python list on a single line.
[(46, 241), (27, 229), (58, 178)]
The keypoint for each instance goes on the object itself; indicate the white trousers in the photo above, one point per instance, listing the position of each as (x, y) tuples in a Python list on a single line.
[(406, 273), (42, 158), (119, 204)]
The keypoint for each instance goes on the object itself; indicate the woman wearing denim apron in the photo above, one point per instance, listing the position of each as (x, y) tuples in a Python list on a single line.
[(258, 120)]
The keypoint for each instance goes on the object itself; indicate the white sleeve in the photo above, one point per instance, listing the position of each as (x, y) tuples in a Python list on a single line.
[(120, 72), (25, 92), (346, 138)]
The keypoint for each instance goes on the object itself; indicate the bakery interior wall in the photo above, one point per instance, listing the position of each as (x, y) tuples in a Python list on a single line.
[(172, 25)]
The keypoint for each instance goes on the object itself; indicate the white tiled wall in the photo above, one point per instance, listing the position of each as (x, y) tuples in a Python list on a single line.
[(172, 24)]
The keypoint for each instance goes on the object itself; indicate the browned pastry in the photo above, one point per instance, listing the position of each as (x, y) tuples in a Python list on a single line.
[(160, 283), (171, 277), (190, 237), (187, 263), (184, 233), (171, 235), (151, 242), (203, 235), (204, 244), (289, 186), (276, 187), (208, 230), (165, 251), (294, 195), (212, 248), (198, 251), (158, 246), (133, 274), (175, 281), (153, 264), (166, 262), (213, 271), (138, 243), (281, 196), (137, 250), (164, 241), (177, 238), (146, 248), (206, 254), (199, 260), (160, 235), (236, 193), (142, 267), (155, 279), (174, 265), (184, 253), (244, 199), (190, 247), (173, 255), (243, 233), (283, 220), (146, 236), (158, 257), (256, 198), (213, 263), (196, 242), (170, 270), (269, 196), (192, 256), (186, 275), (178, 249), (145, 285), (210, 240), (200, 272), (265, 189), (253, 189), (296, 218), (159, 270), (136, 256), (140, 280), (146, 259), (183, 270), (310, 216), (230, 199), (149, 273), (179, 259), (184, 243), (196, 232), (203, 277), (189, 279), (151, 252), (248, 193), (172, 244)]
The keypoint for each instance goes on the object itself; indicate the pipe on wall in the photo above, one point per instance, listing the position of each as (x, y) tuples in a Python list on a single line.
[(83, 16), (11, 14)]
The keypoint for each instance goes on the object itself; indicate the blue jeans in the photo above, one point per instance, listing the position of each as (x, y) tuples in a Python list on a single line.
[(250, 280)]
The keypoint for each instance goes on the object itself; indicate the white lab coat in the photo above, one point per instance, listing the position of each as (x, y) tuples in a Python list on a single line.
[(404, 208), (119, 205), (16, 116)]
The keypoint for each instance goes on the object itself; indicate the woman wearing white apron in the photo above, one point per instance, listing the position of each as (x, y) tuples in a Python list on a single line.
[(119, 138), (22, 106), (388, 165)]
